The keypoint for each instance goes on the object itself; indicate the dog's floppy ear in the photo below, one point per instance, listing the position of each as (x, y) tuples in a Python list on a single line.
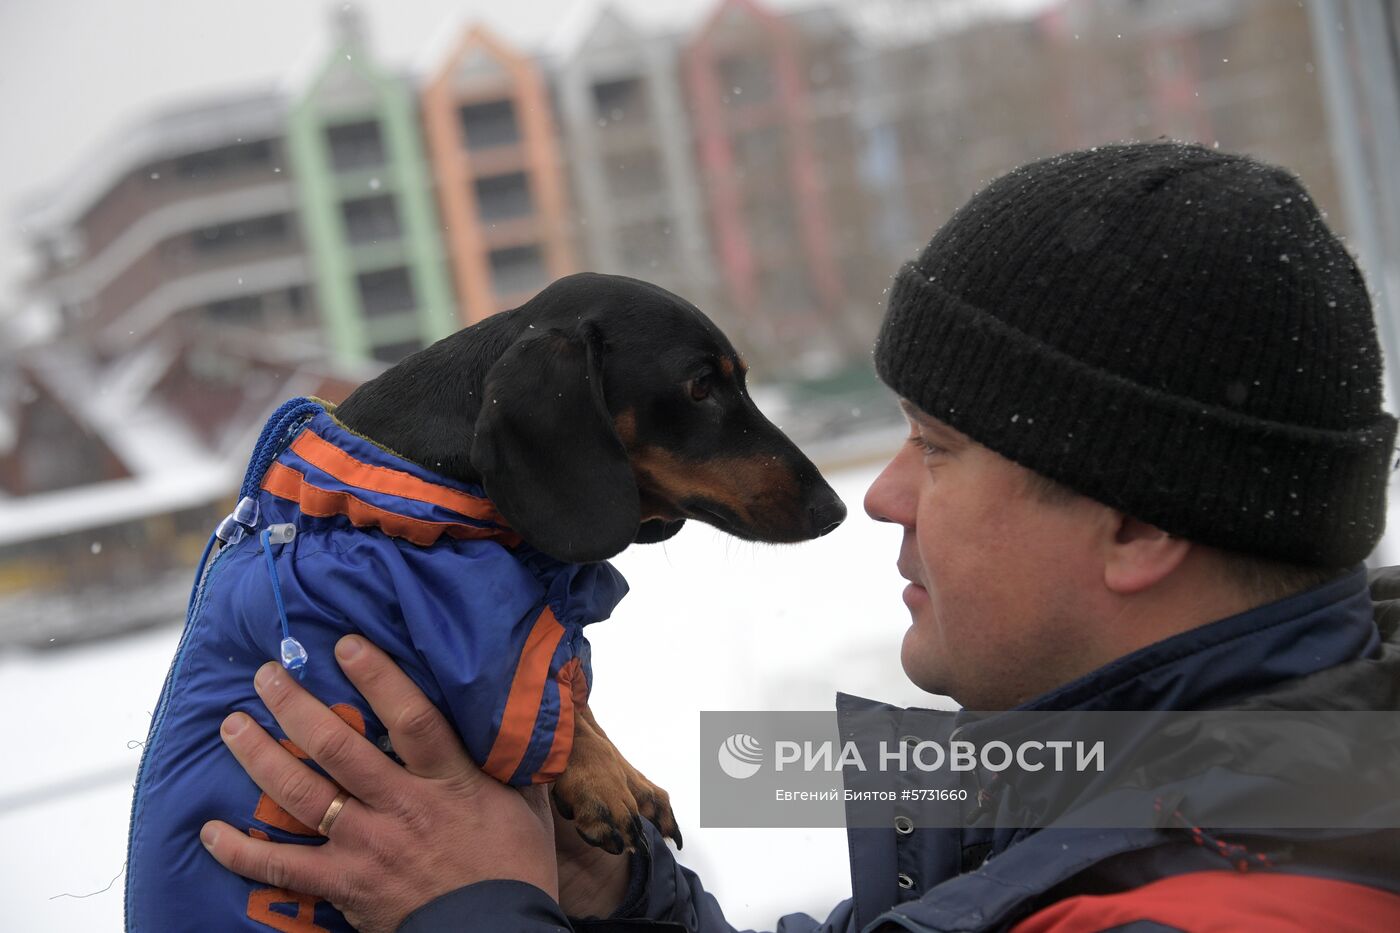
[(547, 451)]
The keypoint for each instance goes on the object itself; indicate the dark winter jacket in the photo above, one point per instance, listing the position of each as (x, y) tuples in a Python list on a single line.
[(1329, 648), (489, 628)]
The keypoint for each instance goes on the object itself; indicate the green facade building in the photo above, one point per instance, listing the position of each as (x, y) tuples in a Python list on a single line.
[(366, 205)]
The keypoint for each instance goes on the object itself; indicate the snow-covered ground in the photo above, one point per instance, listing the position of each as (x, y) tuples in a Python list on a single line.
[(711, 623)]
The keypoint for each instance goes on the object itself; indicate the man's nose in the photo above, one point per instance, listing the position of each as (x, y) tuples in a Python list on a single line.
[(888, 499)]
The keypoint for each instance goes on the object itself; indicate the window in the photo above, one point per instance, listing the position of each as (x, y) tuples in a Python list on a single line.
[(355, 146), (297, 300), (621, 101), (746, 79), (503, 197), (385, 292), (219, 238), (488, 125), (393, 352), (369, 220), (225, 160)]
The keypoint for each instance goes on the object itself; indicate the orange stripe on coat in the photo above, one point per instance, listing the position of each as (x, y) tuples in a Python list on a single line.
[(260, 910), (324, 455), (573, 692), (286, 483), (523, 703)]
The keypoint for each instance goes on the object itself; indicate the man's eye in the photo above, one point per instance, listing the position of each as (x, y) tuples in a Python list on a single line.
[(923, 446), (700, 388)]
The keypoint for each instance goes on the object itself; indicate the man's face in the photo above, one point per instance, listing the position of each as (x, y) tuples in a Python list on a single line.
[(1003, 585)]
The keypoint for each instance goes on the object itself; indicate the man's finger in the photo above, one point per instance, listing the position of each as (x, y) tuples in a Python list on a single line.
[(294, 867), (351, 760), (421, 735), (285, 778)]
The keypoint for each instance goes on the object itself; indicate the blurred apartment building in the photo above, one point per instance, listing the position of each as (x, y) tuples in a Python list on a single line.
[(772, 104), (955, 104), (495, 151), (639, 198), (774, 168), (190, 214)]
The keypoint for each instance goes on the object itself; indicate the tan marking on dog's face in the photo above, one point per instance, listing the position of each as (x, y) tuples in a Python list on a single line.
[(726, 366), (625, 425), (762, 493)]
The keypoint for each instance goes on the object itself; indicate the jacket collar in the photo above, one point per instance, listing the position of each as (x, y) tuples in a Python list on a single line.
[(1219, 663), (1281, 646), (329, 470)]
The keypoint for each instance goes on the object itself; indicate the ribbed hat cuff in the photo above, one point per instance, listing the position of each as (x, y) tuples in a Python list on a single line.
[(1200, 471)]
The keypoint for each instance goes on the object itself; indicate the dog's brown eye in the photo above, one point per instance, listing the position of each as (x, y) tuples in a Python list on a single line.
[(700, 388)]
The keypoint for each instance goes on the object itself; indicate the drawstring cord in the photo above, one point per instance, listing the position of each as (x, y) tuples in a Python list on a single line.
[(283, 423), (287, 418), (293, 653)]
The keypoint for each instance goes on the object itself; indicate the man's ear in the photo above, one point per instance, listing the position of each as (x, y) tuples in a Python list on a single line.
[(547, 451), (1140, 555)]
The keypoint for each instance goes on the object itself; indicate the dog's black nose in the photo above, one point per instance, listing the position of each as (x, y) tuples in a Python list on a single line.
[(828, 513)]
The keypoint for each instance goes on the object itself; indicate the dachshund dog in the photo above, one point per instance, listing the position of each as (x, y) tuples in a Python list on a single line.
[(604, 412), (459, 511)]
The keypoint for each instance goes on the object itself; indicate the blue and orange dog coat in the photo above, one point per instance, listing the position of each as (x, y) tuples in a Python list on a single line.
[(424, 567)]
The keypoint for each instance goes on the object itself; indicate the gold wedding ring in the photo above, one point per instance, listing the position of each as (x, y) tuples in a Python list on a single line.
[(332, 813)]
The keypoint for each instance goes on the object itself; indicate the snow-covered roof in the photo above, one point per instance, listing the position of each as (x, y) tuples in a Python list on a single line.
[(171, 466), (148, 440)]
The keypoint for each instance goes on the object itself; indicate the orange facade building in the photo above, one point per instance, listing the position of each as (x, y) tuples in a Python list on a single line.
[(495, 154)]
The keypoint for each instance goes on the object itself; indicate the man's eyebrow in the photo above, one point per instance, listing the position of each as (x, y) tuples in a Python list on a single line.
[(915, 413), (927, 422)]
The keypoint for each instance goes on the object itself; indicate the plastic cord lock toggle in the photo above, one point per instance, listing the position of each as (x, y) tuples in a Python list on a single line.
[(230, 531), (246, 512)]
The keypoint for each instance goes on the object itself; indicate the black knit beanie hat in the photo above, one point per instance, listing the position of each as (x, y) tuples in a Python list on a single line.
[(1170, 330)]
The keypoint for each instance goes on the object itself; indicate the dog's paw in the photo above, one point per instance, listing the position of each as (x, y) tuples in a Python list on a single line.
[(605, 800), (603, 812)]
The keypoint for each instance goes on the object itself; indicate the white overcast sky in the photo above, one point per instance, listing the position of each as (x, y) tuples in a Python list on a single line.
[(73, 72)]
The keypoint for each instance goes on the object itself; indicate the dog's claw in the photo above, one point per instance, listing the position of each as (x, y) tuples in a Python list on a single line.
[(658, 810), (598, 829)]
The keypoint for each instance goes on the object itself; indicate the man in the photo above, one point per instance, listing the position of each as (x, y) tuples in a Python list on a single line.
[(1147, 454)]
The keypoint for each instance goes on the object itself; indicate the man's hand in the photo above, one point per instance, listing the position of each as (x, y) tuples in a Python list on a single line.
[(405, 836), (592, 882)]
